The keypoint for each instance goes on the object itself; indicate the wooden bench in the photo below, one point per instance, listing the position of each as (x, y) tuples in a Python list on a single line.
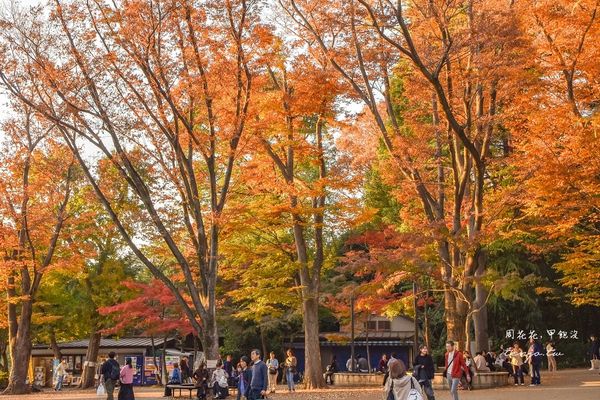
[(173, 388)]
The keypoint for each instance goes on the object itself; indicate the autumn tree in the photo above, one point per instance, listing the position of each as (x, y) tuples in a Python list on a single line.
[(298, 164), (37, 182), (162, 91), (557, 144), (455, 58)]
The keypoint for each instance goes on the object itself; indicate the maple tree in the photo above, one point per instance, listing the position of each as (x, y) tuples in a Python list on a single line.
[(454, 57), (162, 91), (556, 141), (37, 181)]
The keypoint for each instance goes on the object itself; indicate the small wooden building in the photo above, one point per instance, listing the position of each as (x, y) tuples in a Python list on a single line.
[(140, 349)]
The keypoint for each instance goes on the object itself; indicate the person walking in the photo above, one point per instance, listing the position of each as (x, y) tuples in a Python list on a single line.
[(516, 361), (534, 357), (455, 367), (594, 353), (61, 372), (260, 381), (399, 385), (273, 365), (126, 376), (290, 370), (550, 349), (424, 371), (110, 371), (244, 378)]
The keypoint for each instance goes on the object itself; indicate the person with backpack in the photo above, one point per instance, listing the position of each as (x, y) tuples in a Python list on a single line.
[(126, 377), (111, 372), (399, 385), (424, 371), (219, 382), (244, 378), (455, 368)]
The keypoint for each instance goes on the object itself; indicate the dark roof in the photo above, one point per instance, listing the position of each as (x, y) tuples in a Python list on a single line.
[(109, 343), (386, 335), (362, 343)]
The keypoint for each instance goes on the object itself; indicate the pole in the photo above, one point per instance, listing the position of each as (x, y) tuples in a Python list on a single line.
[(352, 361), (416, 322)]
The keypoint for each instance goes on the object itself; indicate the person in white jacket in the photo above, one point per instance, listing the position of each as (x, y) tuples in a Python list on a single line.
[(402, 386)]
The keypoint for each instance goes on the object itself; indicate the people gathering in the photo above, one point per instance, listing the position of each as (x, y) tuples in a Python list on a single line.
[(253, 377)]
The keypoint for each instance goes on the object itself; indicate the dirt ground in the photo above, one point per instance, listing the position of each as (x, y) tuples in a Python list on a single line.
[(563, 385)]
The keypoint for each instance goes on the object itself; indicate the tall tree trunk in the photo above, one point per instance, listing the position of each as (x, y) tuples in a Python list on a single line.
[(263, 343), (91, 357), (20, 349), (367, 341), (54, 346), (164, 375), (480, 316), (156, 366), (210, 339), (313, 376)]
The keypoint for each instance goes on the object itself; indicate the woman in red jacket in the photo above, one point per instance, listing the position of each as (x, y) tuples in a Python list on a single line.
[(455, 366)]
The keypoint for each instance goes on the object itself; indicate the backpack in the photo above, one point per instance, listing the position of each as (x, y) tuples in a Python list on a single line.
[(114, 373), (414, 394)]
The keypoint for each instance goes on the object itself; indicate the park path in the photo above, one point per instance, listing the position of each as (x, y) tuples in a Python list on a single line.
[(563, 385)]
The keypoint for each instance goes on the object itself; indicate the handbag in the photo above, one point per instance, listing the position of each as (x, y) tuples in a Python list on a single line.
[(414, 394), (101, 391)]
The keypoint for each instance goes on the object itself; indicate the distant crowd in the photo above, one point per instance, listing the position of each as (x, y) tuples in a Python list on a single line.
[(252, 378)]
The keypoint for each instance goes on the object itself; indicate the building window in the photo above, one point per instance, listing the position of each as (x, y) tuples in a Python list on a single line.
[(384, 326), (371, 325)]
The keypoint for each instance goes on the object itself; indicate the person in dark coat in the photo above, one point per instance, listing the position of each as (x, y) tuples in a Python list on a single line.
[(332, 368), (244, 378), (186, 374), (111, 371), (535, 354), (424, 370), (201, 381), (260, 379)]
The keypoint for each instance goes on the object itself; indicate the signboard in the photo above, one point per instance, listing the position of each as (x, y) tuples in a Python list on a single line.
[(211, 364), (150, 371)]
